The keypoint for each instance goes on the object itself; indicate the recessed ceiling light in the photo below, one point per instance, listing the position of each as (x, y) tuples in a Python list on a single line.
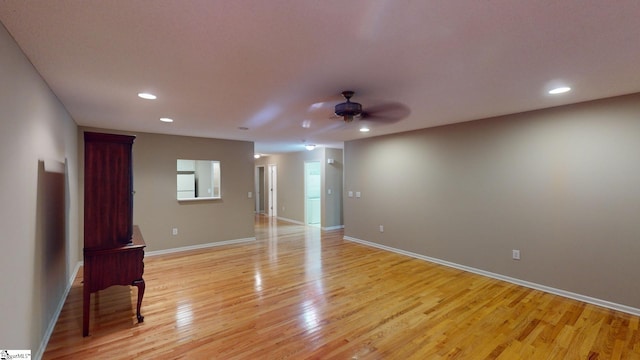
[(559, 90), (306, 124), (364, 129), (256, 156), (167, 120), (310, 147), (147, 96)]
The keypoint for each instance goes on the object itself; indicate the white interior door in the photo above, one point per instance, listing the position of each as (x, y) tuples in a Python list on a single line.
[(312, 193)]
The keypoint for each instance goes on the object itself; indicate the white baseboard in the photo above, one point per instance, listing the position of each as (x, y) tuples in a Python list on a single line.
[(531, 285), (199, 246), (329, 228), (56, 315)]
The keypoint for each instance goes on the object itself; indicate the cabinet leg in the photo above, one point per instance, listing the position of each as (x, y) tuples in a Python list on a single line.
[(140, 285), (86, 304)]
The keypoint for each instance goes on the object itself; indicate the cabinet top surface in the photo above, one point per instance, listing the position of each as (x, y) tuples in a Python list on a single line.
[(93, 136)]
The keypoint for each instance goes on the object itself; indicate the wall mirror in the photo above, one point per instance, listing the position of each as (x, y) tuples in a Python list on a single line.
[(198, 179)]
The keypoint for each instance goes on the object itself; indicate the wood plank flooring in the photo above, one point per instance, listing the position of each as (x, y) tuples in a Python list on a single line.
[(302, 293)]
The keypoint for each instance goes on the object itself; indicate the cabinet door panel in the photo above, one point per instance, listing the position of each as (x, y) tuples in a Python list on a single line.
[(108, 199)]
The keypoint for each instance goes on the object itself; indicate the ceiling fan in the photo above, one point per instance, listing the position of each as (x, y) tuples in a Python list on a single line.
[(385, 112)]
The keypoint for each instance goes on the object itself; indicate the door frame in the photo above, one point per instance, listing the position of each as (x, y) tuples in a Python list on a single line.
[(273, 190), (260, 195)]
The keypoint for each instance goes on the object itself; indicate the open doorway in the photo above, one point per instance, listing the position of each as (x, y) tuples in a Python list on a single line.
[(260, 183), (312, 190)]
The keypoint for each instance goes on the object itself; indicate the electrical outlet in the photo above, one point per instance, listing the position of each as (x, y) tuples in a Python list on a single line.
[(174, 231), (515, 254)]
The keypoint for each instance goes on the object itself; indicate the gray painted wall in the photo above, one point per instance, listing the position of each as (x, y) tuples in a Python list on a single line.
[(38, 207), (155, 208), (333, 179), (562, 185)]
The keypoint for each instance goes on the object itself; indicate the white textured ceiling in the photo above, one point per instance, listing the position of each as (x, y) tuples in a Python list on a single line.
[(220, 65)]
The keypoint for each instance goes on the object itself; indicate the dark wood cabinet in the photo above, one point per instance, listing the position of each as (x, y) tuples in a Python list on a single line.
[(108, 190), (113, 246)]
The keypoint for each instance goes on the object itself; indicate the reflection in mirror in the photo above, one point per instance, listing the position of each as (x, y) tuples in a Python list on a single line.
[(198, 179)]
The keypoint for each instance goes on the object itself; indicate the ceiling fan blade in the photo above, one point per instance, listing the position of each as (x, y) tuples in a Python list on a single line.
[(382, 113), (386, 113)]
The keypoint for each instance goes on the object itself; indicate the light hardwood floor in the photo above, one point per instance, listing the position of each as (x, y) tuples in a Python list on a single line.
[(301, 293)]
